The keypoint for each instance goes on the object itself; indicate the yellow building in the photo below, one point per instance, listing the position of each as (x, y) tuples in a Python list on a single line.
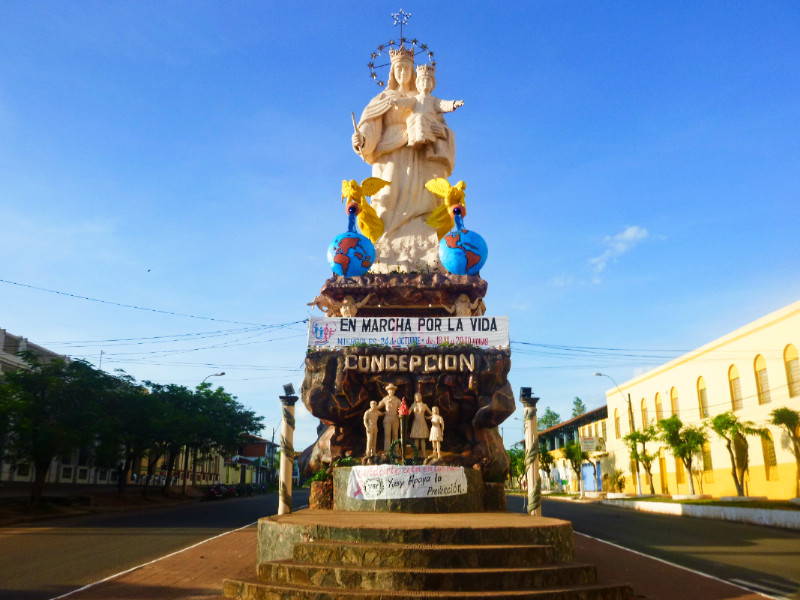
[(751, 371)]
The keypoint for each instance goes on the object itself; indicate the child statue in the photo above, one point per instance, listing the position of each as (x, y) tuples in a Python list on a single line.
[(437, 432), (426, 110), (419, 428), (371, 417)]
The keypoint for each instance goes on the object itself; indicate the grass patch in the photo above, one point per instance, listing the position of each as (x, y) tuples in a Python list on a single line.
[(765, 504)]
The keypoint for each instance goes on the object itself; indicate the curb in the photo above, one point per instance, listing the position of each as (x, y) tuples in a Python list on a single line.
[(784, 519)]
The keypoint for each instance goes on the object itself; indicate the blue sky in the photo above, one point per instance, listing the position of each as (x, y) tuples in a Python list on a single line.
[(633, 167)]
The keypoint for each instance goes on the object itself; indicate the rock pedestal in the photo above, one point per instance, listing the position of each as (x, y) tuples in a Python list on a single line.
[(335, 555)]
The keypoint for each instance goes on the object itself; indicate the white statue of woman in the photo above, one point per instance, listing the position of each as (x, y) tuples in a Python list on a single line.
[(437, 432), (419, 428), (408, 242)]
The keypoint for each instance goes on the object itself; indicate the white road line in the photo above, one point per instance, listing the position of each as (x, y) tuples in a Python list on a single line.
[(110, 577), (666, 562)]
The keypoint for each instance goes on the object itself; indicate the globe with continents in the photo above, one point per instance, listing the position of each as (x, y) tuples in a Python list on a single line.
[(463, 252), (351, 254)]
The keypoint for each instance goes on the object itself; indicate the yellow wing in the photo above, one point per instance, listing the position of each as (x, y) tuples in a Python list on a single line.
[(351, 190), (438, 187), (440, 220), (369, 222), (372, 185), (456, 194)]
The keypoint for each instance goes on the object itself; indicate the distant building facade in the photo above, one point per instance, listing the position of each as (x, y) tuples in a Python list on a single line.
[(590, 428), (751, 372)]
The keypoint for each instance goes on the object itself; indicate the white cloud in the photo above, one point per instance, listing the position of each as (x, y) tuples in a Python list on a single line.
[(618, 245)]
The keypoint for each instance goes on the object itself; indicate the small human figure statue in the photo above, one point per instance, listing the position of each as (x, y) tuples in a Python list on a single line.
[(419, 428), (348, 307), (371, 417), (422, 125), (437, 432), (462, 306), (391, 419)]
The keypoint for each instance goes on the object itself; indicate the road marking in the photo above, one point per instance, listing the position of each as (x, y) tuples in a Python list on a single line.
[(769, 587), (132, 569), (666, 562)]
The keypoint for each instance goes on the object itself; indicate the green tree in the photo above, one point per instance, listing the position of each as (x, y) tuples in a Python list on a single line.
[(637, 445), (516, 467), (684, 442), (728, 426), (51, 409), (578, 407), (546, 460), (576, 457), (789, 420), (548, 419)]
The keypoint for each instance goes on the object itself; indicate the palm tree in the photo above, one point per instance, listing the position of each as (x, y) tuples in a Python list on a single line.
[(576, 456), (728, 426), (790, 421), (684, 441), (642, 456)]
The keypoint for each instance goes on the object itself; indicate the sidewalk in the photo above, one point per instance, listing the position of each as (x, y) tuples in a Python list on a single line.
[(198, 572)]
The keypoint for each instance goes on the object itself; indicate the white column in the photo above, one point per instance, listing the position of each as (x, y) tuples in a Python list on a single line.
[(287, 455), (532, 457)]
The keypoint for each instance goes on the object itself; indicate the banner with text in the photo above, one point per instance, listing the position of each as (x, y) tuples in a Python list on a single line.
[(402, 332), (389, 482)]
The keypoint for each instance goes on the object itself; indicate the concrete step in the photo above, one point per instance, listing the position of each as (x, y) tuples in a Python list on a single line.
[(258, 590), (427, 579), (431, 556)]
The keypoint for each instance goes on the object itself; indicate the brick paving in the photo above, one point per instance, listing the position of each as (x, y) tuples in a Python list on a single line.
[(198, 573)]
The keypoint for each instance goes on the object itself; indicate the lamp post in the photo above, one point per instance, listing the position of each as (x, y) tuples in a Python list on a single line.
[(531, 452), (220, 374), (633, 426), (287, 450)]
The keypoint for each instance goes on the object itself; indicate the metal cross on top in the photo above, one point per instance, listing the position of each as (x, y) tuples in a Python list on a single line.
[(401, 18)]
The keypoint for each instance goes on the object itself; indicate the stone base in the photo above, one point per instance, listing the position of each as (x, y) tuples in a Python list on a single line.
[(406, 294), (324, 555), (471, 502)]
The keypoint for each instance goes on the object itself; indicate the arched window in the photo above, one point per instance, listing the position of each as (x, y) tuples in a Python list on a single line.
[(792, 370), (645, 420), (659, 413), (735, 387), (770, 461), (762, 383), (616, 422), (702, 397), (673, 400)]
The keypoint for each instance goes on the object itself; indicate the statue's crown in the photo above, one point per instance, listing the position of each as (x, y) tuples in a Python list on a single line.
[(426, 71), (401, 53)]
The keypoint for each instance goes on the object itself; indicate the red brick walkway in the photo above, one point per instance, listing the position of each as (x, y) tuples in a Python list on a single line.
[(198, 573)]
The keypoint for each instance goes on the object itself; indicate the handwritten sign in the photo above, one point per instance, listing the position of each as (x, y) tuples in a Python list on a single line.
[(388, 482), (404, 332)]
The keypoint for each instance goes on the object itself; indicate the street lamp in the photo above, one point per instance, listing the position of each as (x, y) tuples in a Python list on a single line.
[(633, 427), (220, 374)]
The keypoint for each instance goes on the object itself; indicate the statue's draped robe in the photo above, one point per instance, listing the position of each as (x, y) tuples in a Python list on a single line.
[(408, 243)]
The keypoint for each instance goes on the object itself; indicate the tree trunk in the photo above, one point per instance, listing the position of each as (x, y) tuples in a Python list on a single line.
[(171, 458), (41, 467), (688, 465), (185, 468), (734, 473), (194, 465)]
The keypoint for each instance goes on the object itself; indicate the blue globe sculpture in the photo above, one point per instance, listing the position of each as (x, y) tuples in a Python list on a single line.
[(351, 254), (462, 252)]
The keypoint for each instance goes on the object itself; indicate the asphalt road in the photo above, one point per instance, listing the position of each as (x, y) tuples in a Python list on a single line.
[(46, 559), (762, 559)]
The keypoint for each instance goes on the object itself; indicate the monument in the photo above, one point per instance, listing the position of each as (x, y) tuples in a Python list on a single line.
[(405, 341), (404, 309)]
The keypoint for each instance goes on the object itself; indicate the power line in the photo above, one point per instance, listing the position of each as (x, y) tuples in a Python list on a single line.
[(123, 305)]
